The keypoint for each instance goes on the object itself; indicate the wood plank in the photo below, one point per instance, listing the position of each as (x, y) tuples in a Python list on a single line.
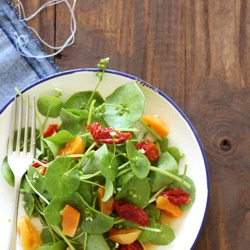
[(143, 38), (217, 102)]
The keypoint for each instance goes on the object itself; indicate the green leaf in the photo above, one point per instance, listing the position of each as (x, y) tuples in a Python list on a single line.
[(121, 180), (191, 191), (71, 122), (139, 162), (95, 222), (52, 211), (164, 237), (36, 179), (59, 245), (109, 165), (79, 100), (109, 189), (86, 190), (136, 191), (7, 172), (165, 162), (175, 153), (97, 242), (28, 204), (46, 235), (56, 141), (124, 106), (61, 137), (163, 143), (60, 181), (93, 165), (49, 106)]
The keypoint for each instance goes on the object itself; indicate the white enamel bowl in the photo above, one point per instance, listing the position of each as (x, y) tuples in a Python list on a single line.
[(182, 134)]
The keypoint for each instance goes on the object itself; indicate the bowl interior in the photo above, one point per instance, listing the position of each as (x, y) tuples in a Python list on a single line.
[(182, 135)]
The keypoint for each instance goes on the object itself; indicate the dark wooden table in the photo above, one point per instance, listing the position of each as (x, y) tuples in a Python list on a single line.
[(198, 52)]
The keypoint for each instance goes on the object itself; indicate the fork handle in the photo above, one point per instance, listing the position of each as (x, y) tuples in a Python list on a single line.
[(13, 232)]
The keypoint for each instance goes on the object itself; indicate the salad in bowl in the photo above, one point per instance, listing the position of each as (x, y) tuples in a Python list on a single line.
[(117, 166)]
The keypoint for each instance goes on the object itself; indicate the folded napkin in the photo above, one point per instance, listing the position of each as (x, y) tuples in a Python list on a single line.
[(15, 69)]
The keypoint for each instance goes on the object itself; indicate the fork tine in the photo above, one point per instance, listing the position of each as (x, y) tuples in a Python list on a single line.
[(26, 126), (33, 128), (12, 129), (19, 125)]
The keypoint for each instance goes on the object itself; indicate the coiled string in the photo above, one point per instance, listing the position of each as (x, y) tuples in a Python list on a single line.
[(22, 40)]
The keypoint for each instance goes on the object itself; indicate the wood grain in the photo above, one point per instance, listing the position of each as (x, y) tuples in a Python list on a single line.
[(198, 53)]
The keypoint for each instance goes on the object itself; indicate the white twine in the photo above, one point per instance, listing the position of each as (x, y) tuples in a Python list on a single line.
[(22, 40)]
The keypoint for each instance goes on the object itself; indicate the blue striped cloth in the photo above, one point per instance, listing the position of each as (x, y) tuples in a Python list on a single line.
[(15, 69)]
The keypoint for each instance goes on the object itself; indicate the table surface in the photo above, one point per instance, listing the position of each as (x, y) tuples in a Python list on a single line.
[(198, 53)]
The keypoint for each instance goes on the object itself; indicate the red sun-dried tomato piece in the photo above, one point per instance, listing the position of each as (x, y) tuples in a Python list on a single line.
[(131, 213), (51, 130), (136, 245), (149, 149), (176, 195), (36, 164), (107, 135)]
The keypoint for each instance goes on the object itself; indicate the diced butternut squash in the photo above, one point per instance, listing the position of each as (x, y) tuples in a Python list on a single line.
[(149, 246), (165, 218), (72, 147), (105, 207), (70, 220), (124, 236), (157, 124), (167, 207), (30, 238)]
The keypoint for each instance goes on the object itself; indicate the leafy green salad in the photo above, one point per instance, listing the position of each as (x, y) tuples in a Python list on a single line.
[(104, 176)]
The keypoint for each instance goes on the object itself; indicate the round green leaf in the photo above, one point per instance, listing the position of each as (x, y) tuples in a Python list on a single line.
[(79, 100), (165, 162), (109, 165), (139, 162), (136, 191), (49, 106), (124, 106), (60, 181), (7, 172)]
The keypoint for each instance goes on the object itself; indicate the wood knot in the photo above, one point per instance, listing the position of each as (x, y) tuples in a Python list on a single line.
[(225, 145)]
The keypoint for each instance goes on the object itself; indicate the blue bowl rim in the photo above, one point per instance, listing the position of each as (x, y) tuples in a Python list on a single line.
[(116, 72)]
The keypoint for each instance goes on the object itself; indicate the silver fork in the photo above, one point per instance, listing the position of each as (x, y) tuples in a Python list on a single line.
[(19, 158)]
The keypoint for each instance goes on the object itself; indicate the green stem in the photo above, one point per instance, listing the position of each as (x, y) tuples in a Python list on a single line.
[(85, 155), (152, 199), (93, 183), (58, 230), (150, 229), (123, 172), (39, 194), (89, 176), (90, 111), (94, 91), (150, 130), (173, 176), (123, 165), (118, 221), (184, 175)]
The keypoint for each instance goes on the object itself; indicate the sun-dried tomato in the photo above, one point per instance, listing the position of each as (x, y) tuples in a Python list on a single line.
[(107, 135), (36, 164), (131, 213), (176, 195), (136, 245), (149, 149), (51, 130)]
